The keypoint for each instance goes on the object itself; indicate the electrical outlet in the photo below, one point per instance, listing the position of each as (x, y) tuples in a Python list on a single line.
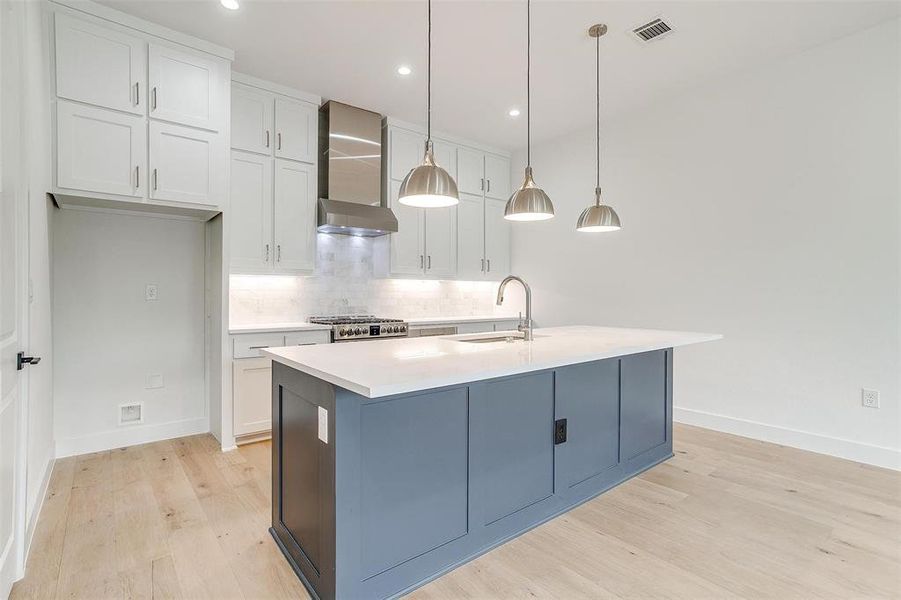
[(869, 398), (151, 292), (130, 414)]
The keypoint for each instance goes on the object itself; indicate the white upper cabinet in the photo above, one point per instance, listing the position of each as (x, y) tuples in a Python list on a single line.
[(497, 239), (407, 149), (408, 244), (183, 164), (252, 119), (295, 216), (471, 171), (446, 156), (100, 66), (186, 88), (296, 129), (497, 176), (100, 150), (471, 237), (251, 212), (441, 242)]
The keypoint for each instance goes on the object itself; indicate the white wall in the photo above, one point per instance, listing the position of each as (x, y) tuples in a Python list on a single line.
[(764, 206), (108, 339)]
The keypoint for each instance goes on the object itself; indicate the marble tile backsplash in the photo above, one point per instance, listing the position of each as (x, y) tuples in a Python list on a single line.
[(345, 282)]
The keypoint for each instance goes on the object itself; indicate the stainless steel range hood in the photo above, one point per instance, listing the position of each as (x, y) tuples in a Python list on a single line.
[(350, 172)]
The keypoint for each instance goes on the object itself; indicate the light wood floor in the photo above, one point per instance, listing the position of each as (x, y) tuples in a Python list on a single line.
[(727, 517)]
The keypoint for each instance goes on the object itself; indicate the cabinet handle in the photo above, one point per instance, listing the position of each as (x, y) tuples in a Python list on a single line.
[(489, 265), (153, 98), (482, 268), (267, 253), (267, 138), (278, 136), (155, 177), (421, 261), (278, 253), (256, 347), (137, 177), (489, 185), (429, 262), (137, 93), (482, 184)]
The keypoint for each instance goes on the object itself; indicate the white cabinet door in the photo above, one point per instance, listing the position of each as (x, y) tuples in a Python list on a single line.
[(186, 88), (100, 66), (470, 170), (295, 216), (407, 255), (183, 165), (252, 380), (441, 241), (446, 156), (497, 239), (471, 237), (406, 149), (296, 130), (252, 124), (251, 212), (497, 176), (99, 150)]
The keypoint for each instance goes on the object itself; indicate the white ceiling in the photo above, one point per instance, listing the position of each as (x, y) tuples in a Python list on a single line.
[(348, 51)]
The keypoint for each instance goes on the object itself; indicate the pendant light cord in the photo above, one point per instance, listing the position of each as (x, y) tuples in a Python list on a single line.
[(429, 78), (528, 83), (598, 111)]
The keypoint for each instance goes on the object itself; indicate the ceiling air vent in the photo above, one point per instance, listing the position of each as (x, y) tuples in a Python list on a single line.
[(653, 30)]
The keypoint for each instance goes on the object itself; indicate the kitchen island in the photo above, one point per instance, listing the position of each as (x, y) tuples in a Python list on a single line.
[(394, 461)]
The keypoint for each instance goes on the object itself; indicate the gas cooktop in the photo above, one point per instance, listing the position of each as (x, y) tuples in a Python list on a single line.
[(346, 328)]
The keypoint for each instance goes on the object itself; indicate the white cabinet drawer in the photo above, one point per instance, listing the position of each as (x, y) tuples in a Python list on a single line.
[(307, 338), (249, 346)]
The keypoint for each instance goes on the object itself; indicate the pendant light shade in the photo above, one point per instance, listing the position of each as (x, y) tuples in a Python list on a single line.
[(428, 185), (529, 202), (600, 217)]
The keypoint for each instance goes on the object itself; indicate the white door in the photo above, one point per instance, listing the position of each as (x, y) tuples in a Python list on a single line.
[(252, 380), (252, 113), (99, 150), (407, 254), (295, 216), (441, 242), (497, 176), (251, 212), (497, 239), (182, 164), (471, 237), (100, 66), (185, 88), (470, 171), (406, 149), (296, 130)]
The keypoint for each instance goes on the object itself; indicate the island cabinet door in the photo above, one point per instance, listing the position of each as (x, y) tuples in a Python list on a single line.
[(587, 405), (512, 451), (645, 399)]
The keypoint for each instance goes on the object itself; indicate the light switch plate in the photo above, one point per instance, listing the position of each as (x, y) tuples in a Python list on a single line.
[(151, 292), (869, 398), (323, 424), (154, 381)]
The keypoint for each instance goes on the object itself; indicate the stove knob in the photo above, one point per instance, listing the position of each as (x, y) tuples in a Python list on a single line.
[(358, 331), (403, 328), (342, 332), (393, 329)]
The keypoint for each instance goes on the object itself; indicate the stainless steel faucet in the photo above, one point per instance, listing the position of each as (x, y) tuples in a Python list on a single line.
[(524, 326)]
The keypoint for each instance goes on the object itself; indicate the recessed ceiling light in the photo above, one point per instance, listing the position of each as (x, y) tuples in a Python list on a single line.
[(513, 112), (229, 4), (404, 70)]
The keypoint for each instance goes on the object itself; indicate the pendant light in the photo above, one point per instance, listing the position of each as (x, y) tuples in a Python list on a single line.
[(599, 217), (529, 202), (428, 185)]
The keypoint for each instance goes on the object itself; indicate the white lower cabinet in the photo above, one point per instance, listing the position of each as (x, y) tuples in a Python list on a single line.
[(100, 150), (183, 164), (252, 389)]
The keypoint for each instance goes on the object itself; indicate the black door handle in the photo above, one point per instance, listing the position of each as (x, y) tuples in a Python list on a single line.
[(22, 360)]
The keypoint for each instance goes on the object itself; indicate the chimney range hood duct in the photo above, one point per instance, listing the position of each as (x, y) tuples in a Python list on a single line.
[(350, 172)]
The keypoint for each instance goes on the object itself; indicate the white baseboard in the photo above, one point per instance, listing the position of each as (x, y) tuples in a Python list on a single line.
[(130, 436), (879, 456), (38, 505)]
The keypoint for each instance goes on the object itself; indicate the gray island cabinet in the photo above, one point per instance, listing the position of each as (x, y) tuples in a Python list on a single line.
[(374, 496)]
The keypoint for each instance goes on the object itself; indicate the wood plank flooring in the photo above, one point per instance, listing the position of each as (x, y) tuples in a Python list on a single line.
[(727, 517)]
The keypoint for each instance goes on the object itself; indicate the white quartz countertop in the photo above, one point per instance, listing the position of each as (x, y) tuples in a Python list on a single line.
[(469, 319), (277, 327), (395, 366)]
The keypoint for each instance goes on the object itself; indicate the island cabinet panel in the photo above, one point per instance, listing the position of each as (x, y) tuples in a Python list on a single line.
[(588, 398), (414, 456), (512, 445), (644, 403)]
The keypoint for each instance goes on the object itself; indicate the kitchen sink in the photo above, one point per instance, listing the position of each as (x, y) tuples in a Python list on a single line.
[(508, 337)]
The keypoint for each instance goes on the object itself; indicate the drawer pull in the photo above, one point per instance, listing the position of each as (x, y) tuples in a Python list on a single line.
[(257, 347)]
